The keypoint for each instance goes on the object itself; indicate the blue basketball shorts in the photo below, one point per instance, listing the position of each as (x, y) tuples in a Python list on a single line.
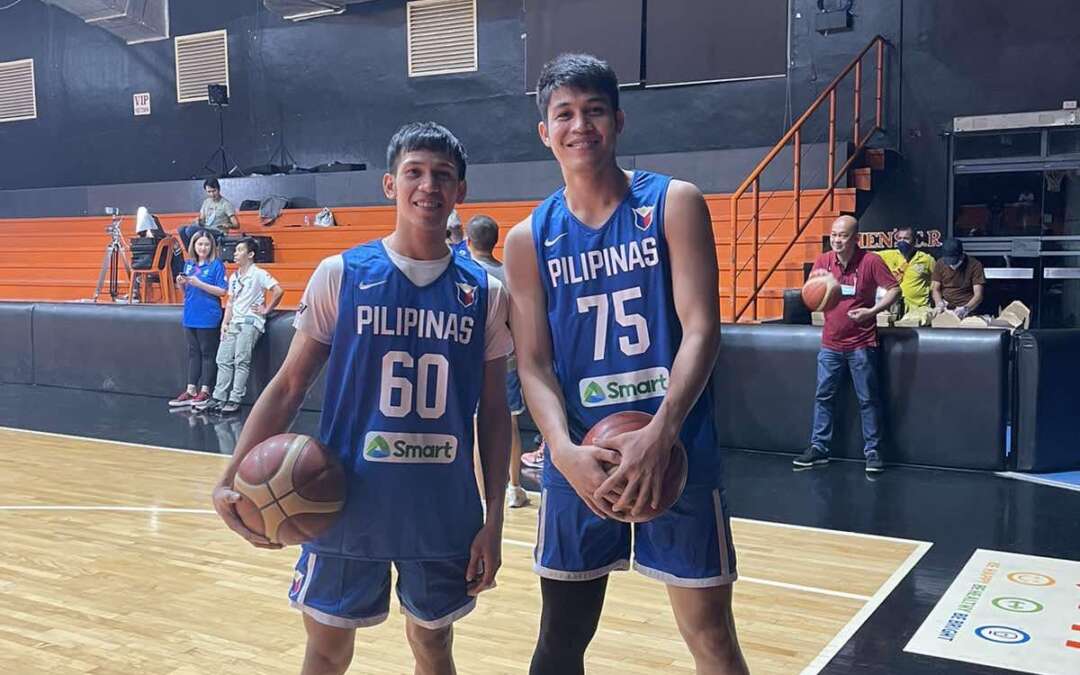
[(514, 398), (350, 593), (688, 545)]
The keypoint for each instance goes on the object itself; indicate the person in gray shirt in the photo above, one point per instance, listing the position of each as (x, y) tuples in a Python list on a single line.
[(481, 234), (216, 215)]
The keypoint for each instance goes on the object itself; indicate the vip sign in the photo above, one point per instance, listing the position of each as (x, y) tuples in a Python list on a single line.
[(1010, 611), (142, 103)]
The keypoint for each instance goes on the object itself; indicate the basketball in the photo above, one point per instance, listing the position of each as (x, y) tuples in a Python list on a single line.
[(291, 489), (821, 292), (674, 477)]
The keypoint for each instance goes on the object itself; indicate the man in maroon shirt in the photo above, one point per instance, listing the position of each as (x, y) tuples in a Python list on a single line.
[(849, 342)]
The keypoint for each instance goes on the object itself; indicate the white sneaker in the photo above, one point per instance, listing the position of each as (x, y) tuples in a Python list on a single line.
[(516, 496)]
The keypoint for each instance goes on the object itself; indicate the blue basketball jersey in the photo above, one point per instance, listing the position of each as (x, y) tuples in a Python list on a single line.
[(402, 383), (611, 315), (461, 249)]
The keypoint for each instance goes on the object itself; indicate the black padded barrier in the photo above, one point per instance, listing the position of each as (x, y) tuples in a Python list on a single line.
[(1047, 404), (279, 335), (127, 349), (16, 333), (945, 394)]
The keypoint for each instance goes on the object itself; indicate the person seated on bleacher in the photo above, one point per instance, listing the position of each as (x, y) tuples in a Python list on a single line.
[(217, 214), (912, 269), (957, 281)]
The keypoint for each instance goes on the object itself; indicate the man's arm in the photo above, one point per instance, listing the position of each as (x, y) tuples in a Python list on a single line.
[(880, 275), (581, 465), (935, 293), (226, 319), (493, 439), (276, 293), (976, 299), (272, 414), (696, 293)]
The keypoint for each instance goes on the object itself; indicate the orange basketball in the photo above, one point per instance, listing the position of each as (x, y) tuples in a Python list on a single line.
[(674, 477), (291, 488), (821, 292)]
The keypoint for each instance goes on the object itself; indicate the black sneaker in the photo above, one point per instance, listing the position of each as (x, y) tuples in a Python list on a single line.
[(874, 463), (813, 456), (229, 408), (212, 405)]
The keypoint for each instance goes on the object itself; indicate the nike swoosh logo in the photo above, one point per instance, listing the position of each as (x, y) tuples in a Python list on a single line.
[(551, 242), (364, 286)]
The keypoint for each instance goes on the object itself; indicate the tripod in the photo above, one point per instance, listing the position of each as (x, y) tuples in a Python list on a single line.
[(225, 160), (115, 253)]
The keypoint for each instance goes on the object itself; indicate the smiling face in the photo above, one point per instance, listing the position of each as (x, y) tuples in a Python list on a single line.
[(842, 237), (425, 188), (203, 246), (581, 128)]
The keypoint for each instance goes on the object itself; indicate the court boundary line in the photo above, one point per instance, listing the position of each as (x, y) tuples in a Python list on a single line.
[(866, 611), (512, 542), (1027, 478), (124, 443)]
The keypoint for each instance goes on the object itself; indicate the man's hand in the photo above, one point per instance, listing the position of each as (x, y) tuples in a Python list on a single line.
[(962, 312), (583, 468), (225, 499), (485, 559), (260, 309), (645, 455), (861, 315)]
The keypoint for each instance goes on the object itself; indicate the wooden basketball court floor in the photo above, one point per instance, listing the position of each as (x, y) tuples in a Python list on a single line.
[(113, 562)]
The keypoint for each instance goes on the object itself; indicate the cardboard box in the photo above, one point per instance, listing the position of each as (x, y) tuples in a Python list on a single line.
[(1015, 316)]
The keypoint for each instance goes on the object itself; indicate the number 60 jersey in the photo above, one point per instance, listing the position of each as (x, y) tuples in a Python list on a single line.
[(612, 319), (402, 384)]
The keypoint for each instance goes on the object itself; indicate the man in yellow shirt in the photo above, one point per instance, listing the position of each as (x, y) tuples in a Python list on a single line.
[(911, 268)]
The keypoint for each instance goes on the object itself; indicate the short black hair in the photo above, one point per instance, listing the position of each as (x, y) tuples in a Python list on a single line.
[(250, 243), (584, 72), (483, 232), (211, 183), (425, 136)]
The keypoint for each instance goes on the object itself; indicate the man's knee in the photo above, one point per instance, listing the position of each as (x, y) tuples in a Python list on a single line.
[(429, 641), (329, 650), (715, 642)]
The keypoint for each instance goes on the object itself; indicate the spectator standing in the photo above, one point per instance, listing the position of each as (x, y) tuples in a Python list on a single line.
[(243, 324), (911, 268), (482, 233), (849, 343), (455, 235), (203, 283)]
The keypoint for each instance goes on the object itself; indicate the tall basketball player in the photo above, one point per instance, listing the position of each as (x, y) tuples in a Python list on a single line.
[(414, 340), (614, 306)]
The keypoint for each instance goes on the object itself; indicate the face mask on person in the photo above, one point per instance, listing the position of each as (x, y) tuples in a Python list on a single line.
[(906, 249)]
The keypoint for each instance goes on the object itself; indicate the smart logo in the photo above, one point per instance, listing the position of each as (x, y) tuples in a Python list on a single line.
[(593, 394), (624, 387), (398, 448), (377, 448)]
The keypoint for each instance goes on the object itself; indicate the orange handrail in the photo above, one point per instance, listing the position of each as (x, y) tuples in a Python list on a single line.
[(795, 134)]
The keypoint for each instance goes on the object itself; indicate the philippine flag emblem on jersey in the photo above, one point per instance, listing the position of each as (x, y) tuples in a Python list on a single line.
[(643, 217), (466, 294), (297, 582)]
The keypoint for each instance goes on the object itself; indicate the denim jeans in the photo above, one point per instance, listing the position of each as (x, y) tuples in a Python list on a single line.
[(831, 365)]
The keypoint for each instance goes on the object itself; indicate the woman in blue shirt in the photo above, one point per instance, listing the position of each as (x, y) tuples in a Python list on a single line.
[(203, 282)]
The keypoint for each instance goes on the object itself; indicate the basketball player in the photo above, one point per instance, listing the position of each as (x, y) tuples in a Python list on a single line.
[(415, 341), (614, 306)]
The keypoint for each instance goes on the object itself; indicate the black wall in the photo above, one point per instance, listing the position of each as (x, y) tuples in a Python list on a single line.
[(337, 87)]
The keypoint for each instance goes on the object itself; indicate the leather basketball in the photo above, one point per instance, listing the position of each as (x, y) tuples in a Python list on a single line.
[(674, 476), (292, 489), (821, 292)]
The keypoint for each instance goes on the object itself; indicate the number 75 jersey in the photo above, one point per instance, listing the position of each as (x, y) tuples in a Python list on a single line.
[(611, 316)]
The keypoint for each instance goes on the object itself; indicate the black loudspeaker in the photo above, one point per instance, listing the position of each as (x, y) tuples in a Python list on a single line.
[(218, 93)]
